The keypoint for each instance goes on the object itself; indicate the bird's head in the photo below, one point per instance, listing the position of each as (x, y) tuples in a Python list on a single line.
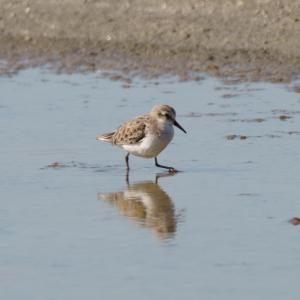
[(165, 113)]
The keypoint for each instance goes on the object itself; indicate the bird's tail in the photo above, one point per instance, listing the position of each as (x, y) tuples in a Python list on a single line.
[(105, 137)]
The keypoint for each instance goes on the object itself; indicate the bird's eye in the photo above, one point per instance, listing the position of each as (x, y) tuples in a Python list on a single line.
[(168, 116)]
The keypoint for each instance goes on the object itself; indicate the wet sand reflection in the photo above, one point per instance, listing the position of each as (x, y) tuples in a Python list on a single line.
[(148, 205)]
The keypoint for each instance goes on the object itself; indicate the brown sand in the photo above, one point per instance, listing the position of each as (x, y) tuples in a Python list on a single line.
[(246, 39)]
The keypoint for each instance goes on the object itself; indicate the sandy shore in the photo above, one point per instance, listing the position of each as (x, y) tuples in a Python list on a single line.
[(250, 40)]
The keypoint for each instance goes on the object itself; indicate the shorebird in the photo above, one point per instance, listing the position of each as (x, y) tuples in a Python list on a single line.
[(146, 135)]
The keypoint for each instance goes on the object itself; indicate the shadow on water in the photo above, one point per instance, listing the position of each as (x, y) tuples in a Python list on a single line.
[(146, 204)]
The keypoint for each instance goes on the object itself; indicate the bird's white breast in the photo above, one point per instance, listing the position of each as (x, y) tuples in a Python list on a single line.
[(152, 144)]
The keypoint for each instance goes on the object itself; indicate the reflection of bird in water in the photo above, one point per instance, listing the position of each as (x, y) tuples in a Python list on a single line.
[(146, 204)]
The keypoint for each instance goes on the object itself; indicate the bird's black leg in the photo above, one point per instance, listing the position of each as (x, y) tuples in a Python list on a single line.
[(127, 178), (127, 161), (171, 169)]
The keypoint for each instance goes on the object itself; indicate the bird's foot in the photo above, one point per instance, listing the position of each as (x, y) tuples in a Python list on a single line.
[(173, 170)]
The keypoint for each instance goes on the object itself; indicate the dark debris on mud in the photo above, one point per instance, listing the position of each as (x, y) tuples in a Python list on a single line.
[(231, 137), (295, 221), (73, 164)]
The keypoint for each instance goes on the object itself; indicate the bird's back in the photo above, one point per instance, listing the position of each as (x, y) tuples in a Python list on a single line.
[(131, 132)]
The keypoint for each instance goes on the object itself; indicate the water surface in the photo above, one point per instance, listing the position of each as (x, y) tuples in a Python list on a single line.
[(72, 226)]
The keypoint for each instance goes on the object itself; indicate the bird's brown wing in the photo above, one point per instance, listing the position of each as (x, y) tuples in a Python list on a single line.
[(131, 132)]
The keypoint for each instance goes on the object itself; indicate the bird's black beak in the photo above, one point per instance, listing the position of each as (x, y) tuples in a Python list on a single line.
[(179, 126)]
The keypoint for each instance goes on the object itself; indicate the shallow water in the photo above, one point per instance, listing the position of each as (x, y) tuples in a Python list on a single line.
[(73, 227)]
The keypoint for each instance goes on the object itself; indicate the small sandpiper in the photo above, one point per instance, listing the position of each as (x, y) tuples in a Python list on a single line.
[(146, 135)]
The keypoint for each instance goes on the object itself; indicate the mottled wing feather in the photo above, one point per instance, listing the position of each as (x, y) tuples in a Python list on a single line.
[(105, 137), (131, 132)]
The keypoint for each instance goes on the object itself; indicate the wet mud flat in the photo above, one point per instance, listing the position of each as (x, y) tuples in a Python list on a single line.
[(248, 40)]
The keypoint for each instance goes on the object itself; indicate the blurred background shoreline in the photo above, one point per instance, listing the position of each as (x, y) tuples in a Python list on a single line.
[(247, 40)]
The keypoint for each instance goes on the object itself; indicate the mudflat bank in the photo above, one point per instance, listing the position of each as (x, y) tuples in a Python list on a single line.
[(246, 39)]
